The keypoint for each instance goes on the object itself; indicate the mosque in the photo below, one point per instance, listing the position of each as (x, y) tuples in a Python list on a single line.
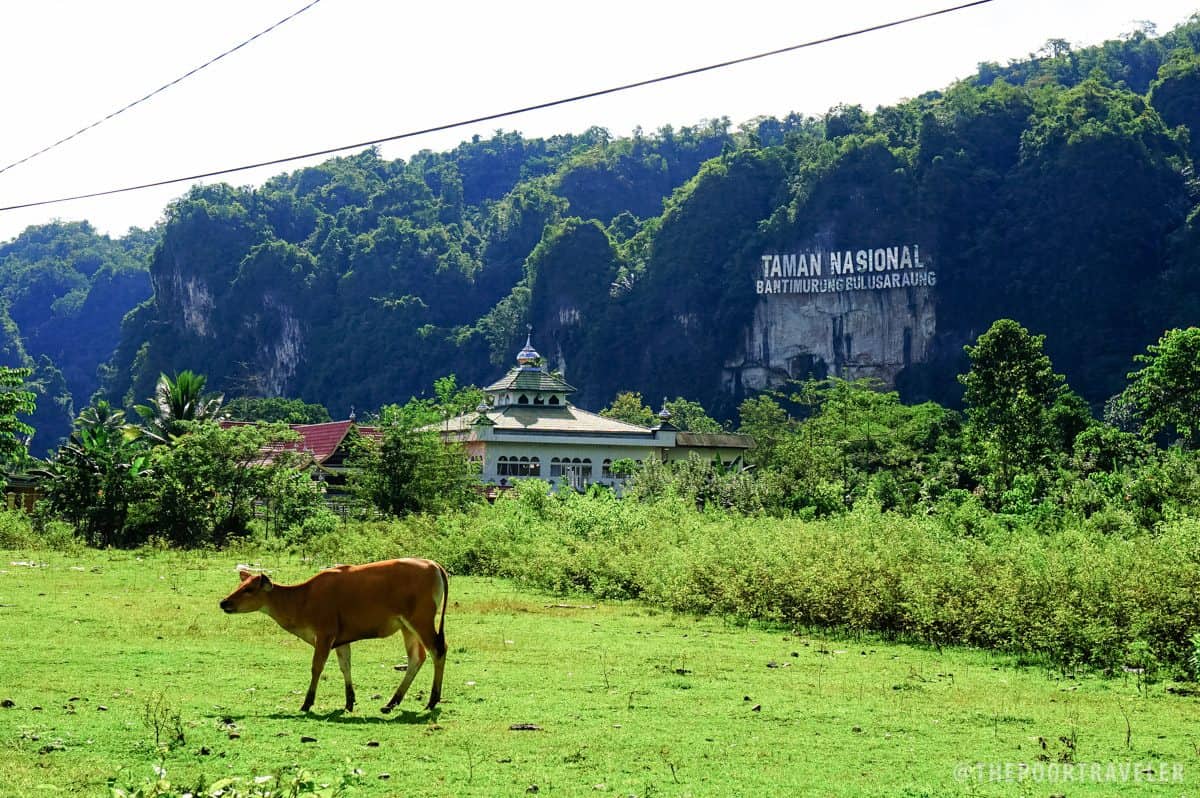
[(528, 428)]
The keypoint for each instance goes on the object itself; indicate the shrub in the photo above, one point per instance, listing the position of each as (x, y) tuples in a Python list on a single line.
[(1075, 596)]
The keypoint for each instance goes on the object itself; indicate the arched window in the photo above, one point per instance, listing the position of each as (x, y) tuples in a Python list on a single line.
[(578, 473), (606, 468), (553, 400), (523, 400), (556, 469), (515, 466)]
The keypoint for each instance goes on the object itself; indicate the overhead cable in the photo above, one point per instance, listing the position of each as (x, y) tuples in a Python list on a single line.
[(160, 89), (502, 114)]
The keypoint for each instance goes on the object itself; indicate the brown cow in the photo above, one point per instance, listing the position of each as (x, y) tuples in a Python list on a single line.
[(346, 603)]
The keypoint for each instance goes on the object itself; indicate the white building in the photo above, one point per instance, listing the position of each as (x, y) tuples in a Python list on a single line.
[(530, 429)]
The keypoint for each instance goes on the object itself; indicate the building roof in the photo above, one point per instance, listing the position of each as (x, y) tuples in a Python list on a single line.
[(322, 439), (319, 441), (527, 378), (566, 419), (714, 440)]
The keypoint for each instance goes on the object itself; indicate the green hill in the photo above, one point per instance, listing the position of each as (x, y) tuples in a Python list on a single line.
[(1058, 191)]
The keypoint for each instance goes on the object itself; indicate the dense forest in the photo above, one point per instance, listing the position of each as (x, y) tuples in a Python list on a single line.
[(1058, 191)]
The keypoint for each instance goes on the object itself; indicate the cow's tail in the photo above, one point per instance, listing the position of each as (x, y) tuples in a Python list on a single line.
[(439, 638)]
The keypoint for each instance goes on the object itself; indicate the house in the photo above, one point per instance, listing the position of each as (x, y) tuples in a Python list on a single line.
[(22, 491), (529, 428), (328, 446)]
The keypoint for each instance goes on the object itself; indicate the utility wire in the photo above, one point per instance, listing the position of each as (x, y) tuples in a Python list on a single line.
[(503, 114), (160, 89)]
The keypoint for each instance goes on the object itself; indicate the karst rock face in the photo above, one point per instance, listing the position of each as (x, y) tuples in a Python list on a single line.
[(846, 313)]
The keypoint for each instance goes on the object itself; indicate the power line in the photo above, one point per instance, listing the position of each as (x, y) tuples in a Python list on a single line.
[(503, 114), (160, 89)]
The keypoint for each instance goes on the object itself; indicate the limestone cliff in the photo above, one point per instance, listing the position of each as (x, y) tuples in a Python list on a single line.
[(835, 330)]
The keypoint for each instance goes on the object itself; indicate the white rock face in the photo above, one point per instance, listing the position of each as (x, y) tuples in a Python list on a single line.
[(197, 307), (195, 301), (848, 334), (282, 357), (276, 359)]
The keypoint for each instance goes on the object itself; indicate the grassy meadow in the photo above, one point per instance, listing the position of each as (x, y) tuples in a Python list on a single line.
[(111, 656)]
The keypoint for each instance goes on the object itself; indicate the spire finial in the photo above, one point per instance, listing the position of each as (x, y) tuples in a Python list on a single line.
[(528, 357), (482, 414)]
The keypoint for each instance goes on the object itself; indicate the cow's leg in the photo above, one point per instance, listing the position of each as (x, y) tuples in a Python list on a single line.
[(439, 664), (416, 658), (343, 655), (437, 642), (320, 654)]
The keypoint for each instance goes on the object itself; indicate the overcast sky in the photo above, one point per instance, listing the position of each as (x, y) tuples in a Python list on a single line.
[(354, 70)]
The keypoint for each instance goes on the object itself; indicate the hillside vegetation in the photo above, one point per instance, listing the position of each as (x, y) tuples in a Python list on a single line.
[(1058, 190)]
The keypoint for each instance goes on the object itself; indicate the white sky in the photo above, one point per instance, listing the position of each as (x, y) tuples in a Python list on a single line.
[(354, 70)]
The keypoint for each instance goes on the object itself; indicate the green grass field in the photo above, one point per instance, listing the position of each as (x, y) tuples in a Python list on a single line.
[(627, 700)]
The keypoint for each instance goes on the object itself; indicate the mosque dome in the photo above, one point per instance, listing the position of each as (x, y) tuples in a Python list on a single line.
[(528, 357)]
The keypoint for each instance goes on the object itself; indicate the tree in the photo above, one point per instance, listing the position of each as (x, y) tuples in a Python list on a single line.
[(763, 419), (176, 401), (449, 401), (1166, 392), (1176, 96), (269, 409), (629, 407), (690, 416), (207, 484), (1010, 392), (843, 120), (14, 401), (454, 401), (866, 441), (97, 475), (118, 490), (414, 471)]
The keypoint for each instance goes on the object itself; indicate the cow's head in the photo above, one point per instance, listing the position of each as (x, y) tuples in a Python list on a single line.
[(250, 595)]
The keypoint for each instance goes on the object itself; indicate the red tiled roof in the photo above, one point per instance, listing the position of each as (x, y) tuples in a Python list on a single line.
[(318, 440), (322, 440)]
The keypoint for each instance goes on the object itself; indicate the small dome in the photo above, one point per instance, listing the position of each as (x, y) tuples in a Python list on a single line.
[(664, 414), (528, 356)]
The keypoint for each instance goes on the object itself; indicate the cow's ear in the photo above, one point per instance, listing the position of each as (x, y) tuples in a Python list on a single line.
[(244, 575), (264, 582)]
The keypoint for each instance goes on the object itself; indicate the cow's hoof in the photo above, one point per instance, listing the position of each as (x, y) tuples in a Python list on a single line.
[(386, 710)]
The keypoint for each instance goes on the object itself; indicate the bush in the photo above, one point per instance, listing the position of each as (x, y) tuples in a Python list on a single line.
[(1075, 596), (18, 530)]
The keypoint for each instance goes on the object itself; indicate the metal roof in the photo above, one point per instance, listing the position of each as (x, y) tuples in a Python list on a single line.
[(524, 378), (714, 440), (566, 419)]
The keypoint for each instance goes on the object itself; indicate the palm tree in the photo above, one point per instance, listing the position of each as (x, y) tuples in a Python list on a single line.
[(101, 415), (175, 401)]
